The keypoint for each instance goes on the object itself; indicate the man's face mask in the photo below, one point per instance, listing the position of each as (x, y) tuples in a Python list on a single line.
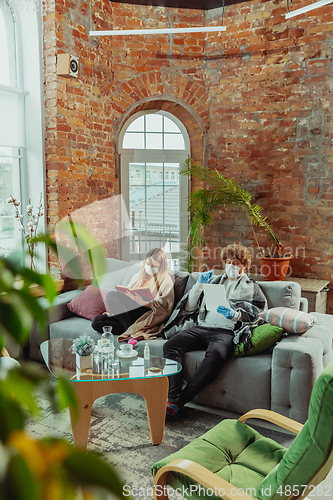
[(233, 272)]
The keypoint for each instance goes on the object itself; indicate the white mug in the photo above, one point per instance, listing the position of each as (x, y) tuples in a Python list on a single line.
[(126, 349)]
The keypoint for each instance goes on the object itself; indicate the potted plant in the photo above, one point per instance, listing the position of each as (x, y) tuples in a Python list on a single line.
[(224, 191), (83, 347)]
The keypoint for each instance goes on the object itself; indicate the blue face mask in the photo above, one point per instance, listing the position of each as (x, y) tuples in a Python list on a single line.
[(233, 272)]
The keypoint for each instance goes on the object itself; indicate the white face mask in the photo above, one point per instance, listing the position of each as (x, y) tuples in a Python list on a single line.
[(233, 272), (151, 270)]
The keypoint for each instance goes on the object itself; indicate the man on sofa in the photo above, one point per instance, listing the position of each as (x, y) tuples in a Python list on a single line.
[(192, 327)]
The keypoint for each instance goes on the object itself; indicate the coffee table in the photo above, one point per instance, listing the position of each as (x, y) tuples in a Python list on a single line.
[(137, 376)]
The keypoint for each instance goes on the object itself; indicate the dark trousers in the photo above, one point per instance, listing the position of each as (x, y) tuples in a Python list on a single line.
[(219, 347), (125, 312)]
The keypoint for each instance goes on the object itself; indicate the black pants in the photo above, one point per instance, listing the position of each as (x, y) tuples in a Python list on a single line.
[(125, 312), (219, 347)]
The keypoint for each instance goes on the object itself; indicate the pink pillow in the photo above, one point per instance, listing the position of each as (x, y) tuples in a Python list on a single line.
[(291, 320), (89, 303)]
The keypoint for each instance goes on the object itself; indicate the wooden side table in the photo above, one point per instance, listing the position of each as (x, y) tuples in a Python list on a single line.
[(313, 290)]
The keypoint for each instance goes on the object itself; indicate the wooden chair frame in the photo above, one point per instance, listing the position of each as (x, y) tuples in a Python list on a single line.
[(223, 488)]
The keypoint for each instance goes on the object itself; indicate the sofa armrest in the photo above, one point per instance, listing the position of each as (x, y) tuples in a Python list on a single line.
[(56, 312), (304, 304), (297, 362), (59, 310)]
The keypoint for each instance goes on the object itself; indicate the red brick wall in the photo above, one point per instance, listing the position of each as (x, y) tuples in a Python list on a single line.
[(256, 101)]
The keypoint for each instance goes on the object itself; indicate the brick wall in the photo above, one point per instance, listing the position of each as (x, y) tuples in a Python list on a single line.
[(255, 99)]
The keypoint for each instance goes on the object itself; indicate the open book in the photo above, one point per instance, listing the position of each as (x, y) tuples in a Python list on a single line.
[(143, 291)]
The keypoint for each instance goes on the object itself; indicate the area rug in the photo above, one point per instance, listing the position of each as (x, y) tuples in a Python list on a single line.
[(119, 431)]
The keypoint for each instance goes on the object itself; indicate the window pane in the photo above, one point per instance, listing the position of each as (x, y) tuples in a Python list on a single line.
[(154, 123), (174, 141), (154, 141), (133, 141), (137, 125), (9, 178), (11, 119), (7, 46), (170, 126)]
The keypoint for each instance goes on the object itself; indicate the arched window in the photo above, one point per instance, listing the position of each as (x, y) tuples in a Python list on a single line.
[(153, 147), (21, 121), (8, 44)]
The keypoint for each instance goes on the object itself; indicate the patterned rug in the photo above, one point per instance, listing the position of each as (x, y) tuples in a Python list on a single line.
[(119, 431)]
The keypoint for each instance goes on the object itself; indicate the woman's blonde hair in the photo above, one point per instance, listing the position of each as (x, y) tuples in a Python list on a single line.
[(158, 255)]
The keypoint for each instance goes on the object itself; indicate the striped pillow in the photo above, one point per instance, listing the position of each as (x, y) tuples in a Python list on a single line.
[(291, 320)]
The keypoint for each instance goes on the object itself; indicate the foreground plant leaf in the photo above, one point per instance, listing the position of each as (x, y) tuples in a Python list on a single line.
[(91, 470)]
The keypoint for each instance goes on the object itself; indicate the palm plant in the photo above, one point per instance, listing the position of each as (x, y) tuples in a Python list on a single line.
[(222, 191)]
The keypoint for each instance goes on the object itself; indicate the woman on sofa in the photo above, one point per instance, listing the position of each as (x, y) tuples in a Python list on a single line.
[(132, 317), (192, 327)]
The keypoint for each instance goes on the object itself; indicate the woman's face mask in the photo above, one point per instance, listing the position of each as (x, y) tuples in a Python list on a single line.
[(151, 270), (233, 272)]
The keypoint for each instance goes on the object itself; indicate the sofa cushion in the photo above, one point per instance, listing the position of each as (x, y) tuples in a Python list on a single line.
[(281, 293), (73, 327), (180, 281), (90, 303), (292, 320), (263, 337), (233, 451)]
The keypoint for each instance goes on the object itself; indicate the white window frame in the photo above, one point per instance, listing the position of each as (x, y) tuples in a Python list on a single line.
[(30, 83), (128, 156)]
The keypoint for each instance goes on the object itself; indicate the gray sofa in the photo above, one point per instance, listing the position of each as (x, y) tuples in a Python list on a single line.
[(280, 379)]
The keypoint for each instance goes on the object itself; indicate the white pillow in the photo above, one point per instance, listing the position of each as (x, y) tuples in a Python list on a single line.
[(291, 320)]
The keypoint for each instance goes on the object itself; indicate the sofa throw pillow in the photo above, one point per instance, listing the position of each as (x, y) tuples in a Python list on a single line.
[(90, 303), (263, 337), (291, 320)]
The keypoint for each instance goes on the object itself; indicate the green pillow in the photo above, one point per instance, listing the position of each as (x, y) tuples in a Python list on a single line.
[(263, 337)]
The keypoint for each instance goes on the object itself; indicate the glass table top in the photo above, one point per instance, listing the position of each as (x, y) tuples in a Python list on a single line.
[(58, 356)]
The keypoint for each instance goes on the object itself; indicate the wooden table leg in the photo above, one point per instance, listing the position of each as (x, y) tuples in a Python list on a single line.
[(154, 390), (81, 425)]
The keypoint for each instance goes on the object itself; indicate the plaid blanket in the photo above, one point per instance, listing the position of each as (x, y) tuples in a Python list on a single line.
[(247, 298)]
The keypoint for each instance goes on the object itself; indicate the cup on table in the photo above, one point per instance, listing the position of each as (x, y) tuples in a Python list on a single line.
[(126, 349)]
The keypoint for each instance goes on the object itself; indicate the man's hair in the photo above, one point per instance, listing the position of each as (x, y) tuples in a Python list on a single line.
[(237, 252)]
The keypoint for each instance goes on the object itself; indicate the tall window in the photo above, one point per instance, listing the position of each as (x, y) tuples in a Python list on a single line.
[(11, 129), (155, 144), (21, 168)]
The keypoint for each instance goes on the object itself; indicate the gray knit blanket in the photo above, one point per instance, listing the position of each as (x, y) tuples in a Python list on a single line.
[(247, 298)]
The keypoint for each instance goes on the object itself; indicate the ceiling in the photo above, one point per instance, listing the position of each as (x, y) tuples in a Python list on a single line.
[(184, 4)]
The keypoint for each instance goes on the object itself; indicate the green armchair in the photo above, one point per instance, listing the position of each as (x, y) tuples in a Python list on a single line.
[(233, 461)]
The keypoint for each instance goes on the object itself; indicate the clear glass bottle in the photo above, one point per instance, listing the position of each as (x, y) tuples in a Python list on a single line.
[(146, 352), (107, 342), (146, 359)]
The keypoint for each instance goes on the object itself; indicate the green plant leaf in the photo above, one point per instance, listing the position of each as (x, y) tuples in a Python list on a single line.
[(12, 417), (18, 483), (21, 390), (67, 397), (219, 191), (45, 238), (15, 319), (81, 243), (89, 469)]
